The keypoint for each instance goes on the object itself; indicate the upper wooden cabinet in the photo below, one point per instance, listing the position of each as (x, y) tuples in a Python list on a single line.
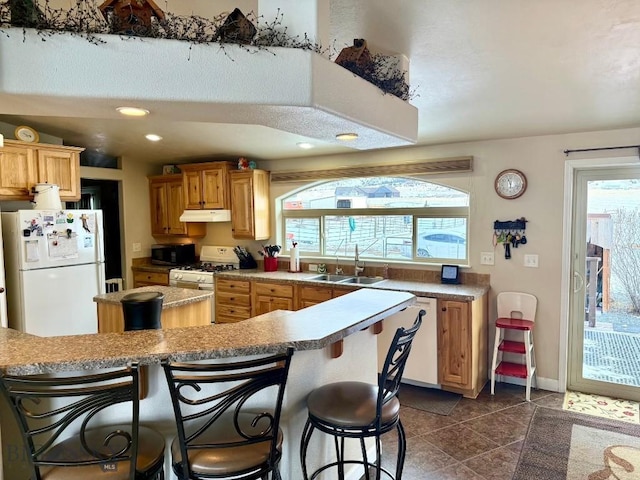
[(206, 185), (23, 165), (250, 212), (166, 199)]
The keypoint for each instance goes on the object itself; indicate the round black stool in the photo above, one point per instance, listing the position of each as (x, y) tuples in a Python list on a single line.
[(362, 410), (142, 310)]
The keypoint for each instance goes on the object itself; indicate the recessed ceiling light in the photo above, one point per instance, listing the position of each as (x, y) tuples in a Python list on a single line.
[(133, 111), (305, 145), (346, 136), (153, 137)]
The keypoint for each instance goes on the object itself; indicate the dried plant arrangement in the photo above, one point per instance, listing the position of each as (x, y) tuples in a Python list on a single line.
[(85, 18)]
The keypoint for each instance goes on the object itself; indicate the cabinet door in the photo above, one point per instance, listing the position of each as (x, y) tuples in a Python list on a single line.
[(158, 203), (312, 295), (18, 172), (454, 343), (175, 207), (192, 190), (213, 191), (60, 168), (242, 212), (266, 304)]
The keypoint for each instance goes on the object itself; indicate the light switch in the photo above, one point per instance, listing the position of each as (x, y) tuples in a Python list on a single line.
[(487, 258), (137, 247), (531, 261)]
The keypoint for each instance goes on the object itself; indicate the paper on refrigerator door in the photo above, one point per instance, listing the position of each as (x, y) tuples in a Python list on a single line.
[(62, 245), (31, 248)]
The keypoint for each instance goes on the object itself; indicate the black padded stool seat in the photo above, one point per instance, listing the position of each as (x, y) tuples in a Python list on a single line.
[(224, 462), (150, 455), (350, 404)]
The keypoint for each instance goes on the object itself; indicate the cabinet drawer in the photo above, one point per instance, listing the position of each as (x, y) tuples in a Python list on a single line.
[(338, 292), (228, 319), (233, 298), (315, 294), (234, 311), (274, 290), (233, 286), (154, 278)]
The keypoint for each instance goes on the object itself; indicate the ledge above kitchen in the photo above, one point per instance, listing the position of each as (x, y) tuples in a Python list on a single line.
[(462, 292)]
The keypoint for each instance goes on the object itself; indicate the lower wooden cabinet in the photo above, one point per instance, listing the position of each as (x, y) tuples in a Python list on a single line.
[(462, 346), (267, 297), (233, 300), (143, 279), (312, 294)]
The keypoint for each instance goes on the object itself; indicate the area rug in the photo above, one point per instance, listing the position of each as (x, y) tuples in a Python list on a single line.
[(565, 446), (428, 399), (601, 406)]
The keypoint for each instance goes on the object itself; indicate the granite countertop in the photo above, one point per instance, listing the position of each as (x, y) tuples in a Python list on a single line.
[(463, 292), (272, 332), (173, 296), (150, 267)]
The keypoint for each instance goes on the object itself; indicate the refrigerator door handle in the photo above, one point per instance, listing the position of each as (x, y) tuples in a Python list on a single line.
[(99, 239)]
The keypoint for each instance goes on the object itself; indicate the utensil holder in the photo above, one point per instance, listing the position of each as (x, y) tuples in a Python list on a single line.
[(270, 264)]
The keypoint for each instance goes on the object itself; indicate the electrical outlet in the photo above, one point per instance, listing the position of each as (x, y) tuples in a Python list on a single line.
[(487, 258), (313, 267), (531, 261), (137, 247)]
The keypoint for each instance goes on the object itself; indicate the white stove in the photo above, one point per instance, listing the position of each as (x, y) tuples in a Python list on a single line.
[(212, 259), (200, 276)]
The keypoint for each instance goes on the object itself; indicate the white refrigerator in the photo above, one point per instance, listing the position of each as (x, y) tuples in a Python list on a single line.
[(54, 266)]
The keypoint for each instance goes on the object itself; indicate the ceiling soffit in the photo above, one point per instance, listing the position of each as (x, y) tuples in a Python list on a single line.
[(288, 89)]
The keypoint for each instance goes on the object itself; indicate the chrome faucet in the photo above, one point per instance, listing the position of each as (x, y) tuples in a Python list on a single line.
[(358, 266)]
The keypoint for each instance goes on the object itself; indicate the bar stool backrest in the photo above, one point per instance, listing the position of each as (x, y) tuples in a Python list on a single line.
[(517, 305), (52, 409), (395, 361), (209, 396)]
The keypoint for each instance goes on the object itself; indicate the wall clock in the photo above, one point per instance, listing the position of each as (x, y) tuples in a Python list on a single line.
[(26, 134), (510, 183)]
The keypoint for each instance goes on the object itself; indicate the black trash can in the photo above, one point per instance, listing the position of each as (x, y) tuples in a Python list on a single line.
[(142, 310)]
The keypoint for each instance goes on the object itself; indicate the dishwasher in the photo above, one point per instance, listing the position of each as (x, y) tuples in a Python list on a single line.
[(422, 364)]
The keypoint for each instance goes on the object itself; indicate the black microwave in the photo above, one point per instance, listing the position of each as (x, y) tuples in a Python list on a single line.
[(173, 254)]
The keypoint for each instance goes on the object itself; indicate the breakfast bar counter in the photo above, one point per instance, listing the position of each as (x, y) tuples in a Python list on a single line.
[(310, 331)]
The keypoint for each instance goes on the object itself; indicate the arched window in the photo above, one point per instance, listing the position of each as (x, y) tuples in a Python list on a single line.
[(389, 218)]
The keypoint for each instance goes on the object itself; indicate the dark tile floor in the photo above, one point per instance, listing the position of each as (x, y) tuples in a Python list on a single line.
[(479, 440)]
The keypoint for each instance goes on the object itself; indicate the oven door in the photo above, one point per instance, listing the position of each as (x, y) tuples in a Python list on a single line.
[(197, 286)]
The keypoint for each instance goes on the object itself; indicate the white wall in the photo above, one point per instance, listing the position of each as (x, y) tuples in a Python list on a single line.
[(542, 160)]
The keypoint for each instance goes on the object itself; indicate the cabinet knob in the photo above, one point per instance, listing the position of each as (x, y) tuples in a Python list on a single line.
[(1, 290), (444, 309)]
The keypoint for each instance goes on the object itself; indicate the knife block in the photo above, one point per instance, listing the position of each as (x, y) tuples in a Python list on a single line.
[(248, 262)]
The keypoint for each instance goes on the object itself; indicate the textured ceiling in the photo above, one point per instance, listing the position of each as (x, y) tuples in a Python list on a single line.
[(480, 69)]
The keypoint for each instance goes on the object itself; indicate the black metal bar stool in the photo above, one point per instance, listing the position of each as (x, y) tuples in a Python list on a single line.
[(228, 417), (48, 409), (361, 410)]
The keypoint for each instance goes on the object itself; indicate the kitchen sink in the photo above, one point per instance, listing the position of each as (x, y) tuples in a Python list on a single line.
[(361, 280), (328, 277)]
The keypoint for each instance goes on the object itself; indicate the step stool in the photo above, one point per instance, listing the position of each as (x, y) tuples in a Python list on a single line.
[(516, 312)]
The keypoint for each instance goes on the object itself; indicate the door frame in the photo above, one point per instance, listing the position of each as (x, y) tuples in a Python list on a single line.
[(570, 169)]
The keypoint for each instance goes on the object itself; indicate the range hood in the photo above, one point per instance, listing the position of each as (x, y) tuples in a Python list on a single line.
[(206, 216)]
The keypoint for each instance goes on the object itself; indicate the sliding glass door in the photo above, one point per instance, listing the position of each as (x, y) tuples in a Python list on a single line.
[(604, 329)]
